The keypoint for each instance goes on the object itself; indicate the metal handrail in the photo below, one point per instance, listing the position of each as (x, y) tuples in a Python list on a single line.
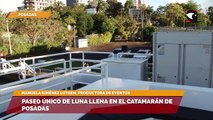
[(33, 59), (53, 55), (134, 54), (86, 60), (102, 65), (31, 79), (49, 63), (60, 76)]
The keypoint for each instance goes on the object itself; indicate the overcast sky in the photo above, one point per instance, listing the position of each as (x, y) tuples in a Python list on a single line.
[(11, 5)]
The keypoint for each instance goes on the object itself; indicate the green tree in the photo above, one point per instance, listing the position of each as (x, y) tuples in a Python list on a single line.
[(148, 32), (126, 26), (58, 6), (3, 43), (175, 13), (115, 8), (52, 28), (161, 10), (95, 39), (70, 20), (98, 22), (56, 10), (128, 4), (108, 26), (190, 5), (73, 11), (203, 20), (20, 44), (31, 27), (210, 13), (70, 34), (159, 17), (92, 4), (2, 22), (102, 6), (148, 12), (84, 25)]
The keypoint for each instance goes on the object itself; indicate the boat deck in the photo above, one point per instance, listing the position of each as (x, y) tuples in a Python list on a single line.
[(193, 101)]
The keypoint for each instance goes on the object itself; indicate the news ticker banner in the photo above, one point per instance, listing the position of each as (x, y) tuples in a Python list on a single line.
[(29, 14), (96, 101)]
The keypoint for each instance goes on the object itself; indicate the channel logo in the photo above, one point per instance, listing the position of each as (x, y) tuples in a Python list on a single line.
[(192, 16)]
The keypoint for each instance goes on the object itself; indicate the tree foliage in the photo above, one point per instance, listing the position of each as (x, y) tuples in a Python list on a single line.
[(98, 22), (159, 17), (95, 39), (148, 32), (125, 26), (190, 5), (210, 14), (111, 19), (84, 25), (108, 26), (2, 22), (174, 13), (31, 27), (115, 8), (102, 6), (128, 4)]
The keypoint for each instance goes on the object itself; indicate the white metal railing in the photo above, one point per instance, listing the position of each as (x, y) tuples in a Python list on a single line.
[(68, 83), (66, 67), (63, 70), (63, 77), (121, 54), (104, 75)]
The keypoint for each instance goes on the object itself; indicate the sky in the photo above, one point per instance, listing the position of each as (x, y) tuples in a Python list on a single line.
[(11, 5)]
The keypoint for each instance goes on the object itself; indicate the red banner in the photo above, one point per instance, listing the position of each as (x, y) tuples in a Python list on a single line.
[(94, 104)]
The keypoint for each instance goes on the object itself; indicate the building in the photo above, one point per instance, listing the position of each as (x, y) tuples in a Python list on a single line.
[(135, 14), (38, 4), (71, 2), (138, 3), (91, 10), (21, 8)]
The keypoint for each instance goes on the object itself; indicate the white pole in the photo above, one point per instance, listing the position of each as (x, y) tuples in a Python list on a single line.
[(8, 32), (142, 18), (70, 28), (74, 37)]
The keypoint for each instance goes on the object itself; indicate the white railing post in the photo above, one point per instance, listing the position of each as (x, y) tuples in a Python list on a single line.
[(70, 61), (34, 74), (83, 58), (25, 69), (104, 74), (65, 67), (68, 83), (71, 84), (104, 71)]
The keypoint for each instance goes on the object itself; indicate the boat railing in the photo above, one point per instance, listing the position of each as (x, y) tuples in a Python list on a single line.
[(58, 66), (59, 82)]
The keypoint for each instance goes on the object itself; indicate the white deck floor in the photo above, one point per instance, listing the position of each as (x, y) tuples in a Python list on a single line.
[(194, 97)]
